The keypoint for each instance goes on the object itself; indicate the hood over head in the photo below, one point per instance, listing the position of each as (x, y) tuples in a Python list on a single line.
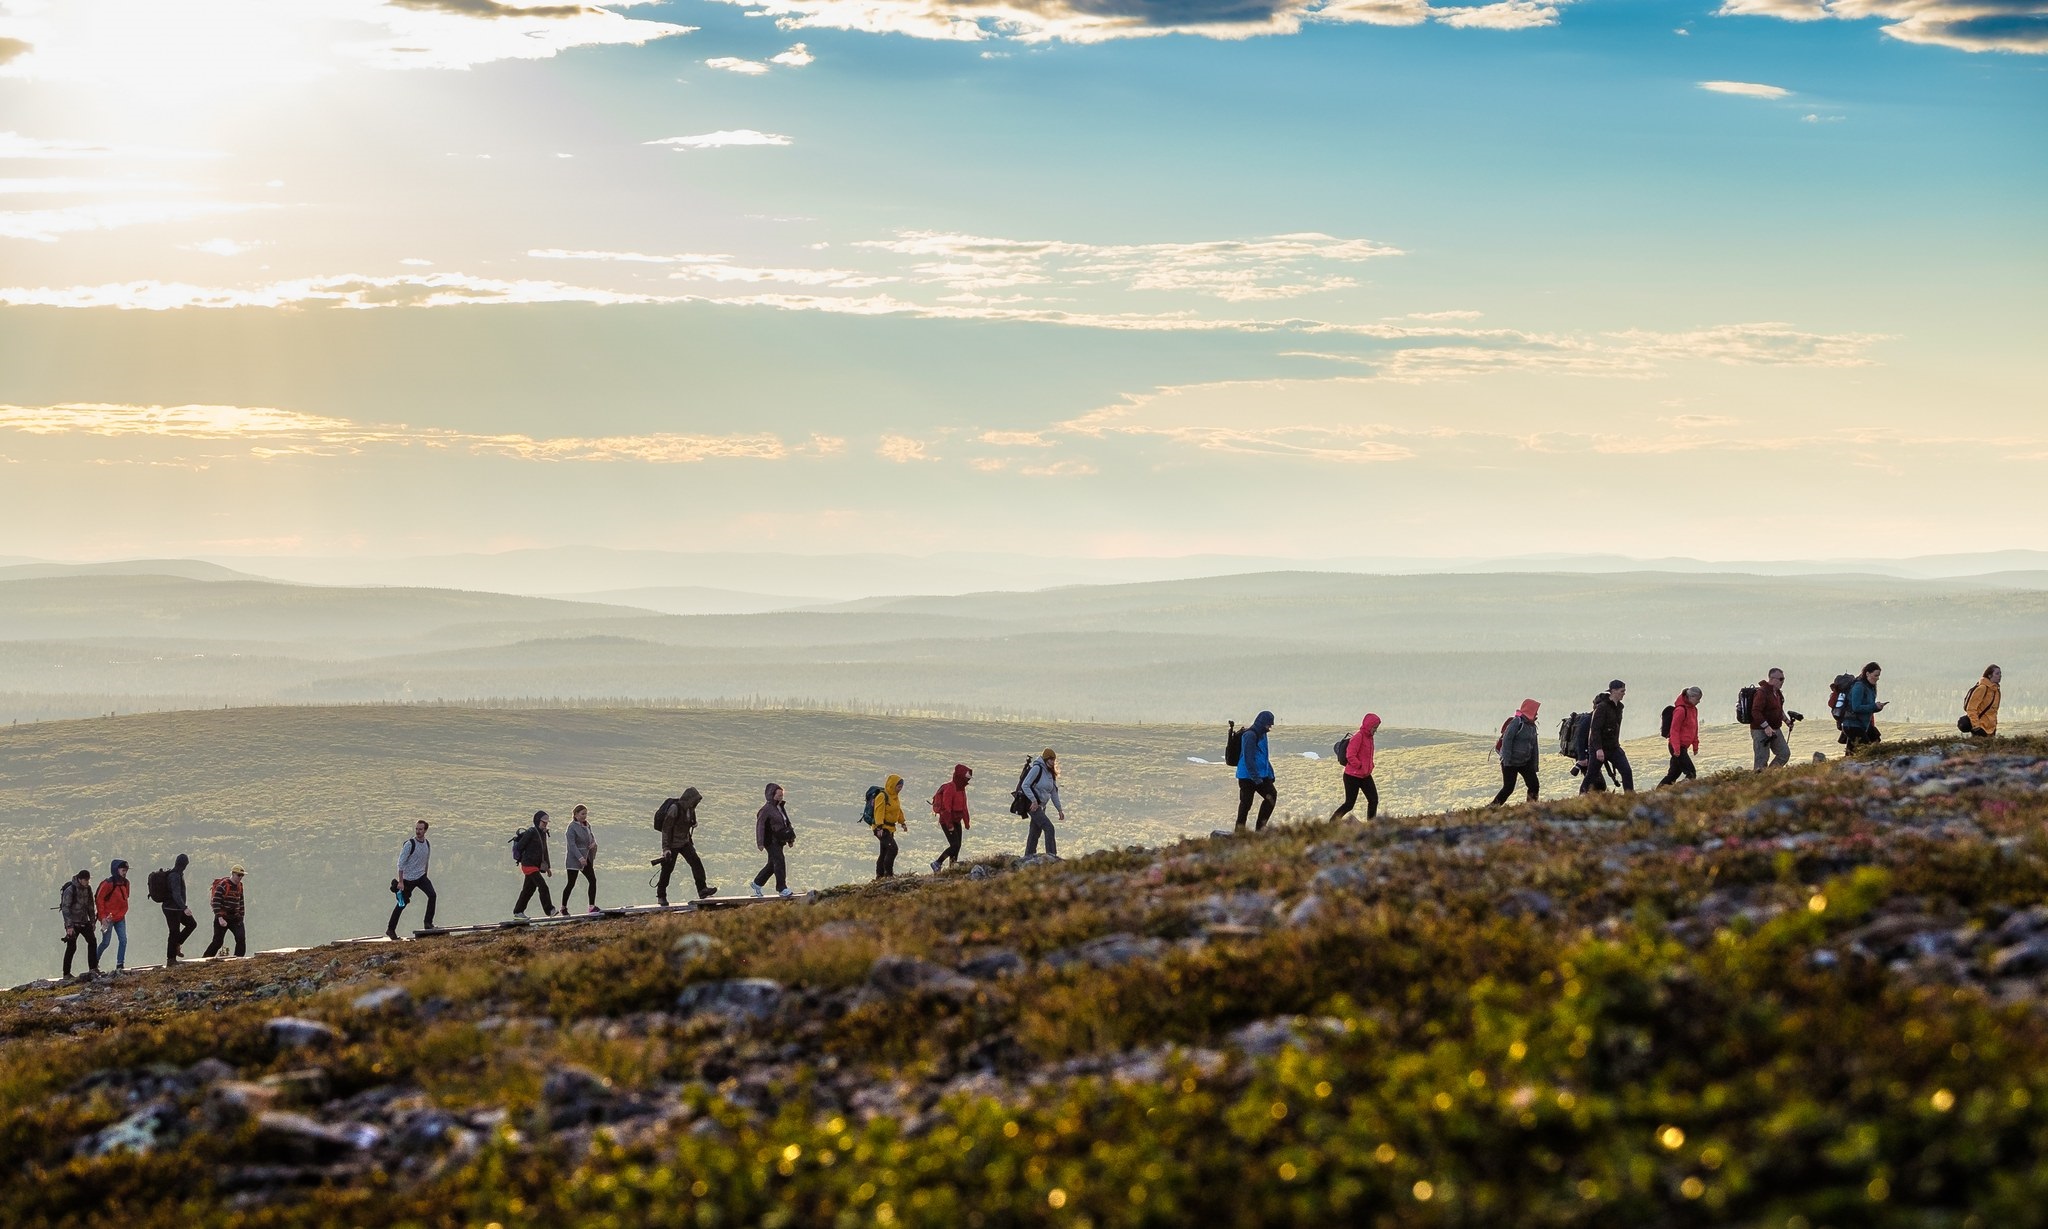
[(893, 784), (116, 867), (961, 775), (1529, 709), (691, 797), (1369, 725), (1263, 722), (768, 791), (182, 862)]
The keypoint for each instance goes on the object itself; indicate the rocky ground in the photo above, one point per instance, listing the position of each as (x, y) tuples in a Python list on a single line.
[(1814, 998)]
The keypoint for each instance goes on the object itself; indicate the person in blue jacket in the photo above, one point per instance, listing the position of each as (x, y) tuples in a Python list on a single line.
[(1859, 720), (1255, 773)]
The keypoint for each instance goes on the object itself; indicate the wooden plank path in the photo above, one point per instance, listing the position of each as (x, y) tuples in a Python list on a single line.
[(714, 904)]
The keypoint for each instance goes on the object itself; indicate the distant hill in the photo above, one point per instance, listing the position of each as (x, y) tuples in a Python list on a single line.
[(187, 569), (693, 600)]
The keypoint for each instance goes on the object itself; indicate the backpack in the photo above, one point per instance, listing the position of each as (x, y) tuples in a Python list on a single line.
[(1343, 749), (1838, 698), (1233, 745), (1021, 803), (1665, 729), (867, 810), (1573, 734), (160, 886), (520, 842), (936, 795), (1745, 704), (1501, 739), (661, 812)]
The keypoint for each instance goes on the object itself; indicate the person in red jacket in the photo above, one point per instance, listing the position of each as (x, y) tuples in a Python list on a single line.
[(1358, 771), (111, 901), (228, 913), (1685, 736), (950, 805)]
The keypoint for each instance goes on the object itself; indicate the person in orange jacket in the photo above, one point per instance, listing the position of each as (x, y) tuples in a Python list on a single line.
[(1685, 736), (1980, 707), (950, 805)]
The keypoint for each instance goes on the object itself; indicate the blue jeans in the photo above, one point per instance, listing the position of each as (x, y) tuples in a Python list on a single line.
[(117, 930), (1041, 825)]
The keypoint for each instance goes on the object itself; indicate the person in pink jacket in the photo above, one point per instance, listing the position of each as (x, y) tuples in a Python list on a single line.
[(1358, 771), (1685, 736)]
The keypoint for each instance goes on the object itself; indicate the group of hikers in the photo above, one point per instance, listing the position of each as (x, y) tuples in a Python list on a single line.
[(1591, 740)]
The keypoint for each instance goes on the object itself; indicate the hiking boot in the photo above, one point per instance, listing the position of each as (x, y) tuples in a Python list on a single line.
[(706, 893), (391, 935), (757, 889), (520, 917), (935, 866), (661, 899), (785, 893)]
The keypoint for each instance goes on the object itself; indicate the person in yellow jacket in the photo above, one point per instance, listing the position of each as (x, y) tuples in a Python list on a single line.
[(889, 820), (1980, 707)]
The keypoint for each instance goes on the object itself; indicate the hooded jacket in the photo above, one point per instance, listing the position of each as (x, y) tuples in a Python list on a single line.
[(1042, 786), (950, 803), (1685, 725), (534, 857), (772, 821), (1358, 756), (74, 903), (1253, 761), (174, 895), (679, 822), (582, 844), (1605, 734), (1981, 706), (889, 815), (1518, 742), (112, 899)]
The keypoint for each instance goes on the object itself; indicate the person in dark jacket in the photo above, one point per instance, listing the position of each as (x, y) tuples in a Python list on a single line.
[(582, 858), (1859, 719), (1519, 749), (1603, 743), (177, 914), (772, 834), (1769, 724), (678, 824), (74, 905), (414, 857), (1685, 736), (950, 805), (111, 903), (228, 912), (534, 867), (1255, 777)]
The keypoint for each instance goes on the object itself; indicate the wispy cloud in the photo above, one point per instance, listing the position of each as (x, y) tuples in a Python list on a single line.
[(50, 225), (902, 449), (724, 138), (797, 56), (1278, 267), (1963, 25), (346, 291), (733, 64), (710, 267), (1746, 89)]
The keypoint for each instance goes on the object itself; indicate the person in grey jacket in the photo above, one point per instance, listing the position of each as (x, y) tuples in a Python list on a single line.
[(581, 857), (412, 877), (74, 904), (177, 914), (1518, 753), (1042, 786)]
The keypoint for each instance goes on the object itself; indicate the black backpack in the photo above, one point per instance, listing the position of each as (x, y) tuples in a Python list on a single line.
[(1343, 749), (1745, 705), (1838, 698), (1233, 745), (159, 886), (1020, 802), (867, 810), (1669, 709), (520, 842), (661, 812), (1573, 734)]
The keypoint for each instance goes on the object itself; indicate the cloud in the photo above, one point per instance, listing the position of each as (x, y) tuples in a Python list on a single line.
[(798, 56), (2019, 26), (12, 49), (50, 225), (733, 64), (271, 432), (346, 290), (1094, 21), (902, 449), (1746, 89), (722, 139), (223, 247), (1277, 267), (710, 267)]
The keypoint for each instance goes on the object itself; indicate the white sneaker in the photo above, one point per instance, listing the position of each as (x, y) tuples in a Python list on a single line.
[(519, 917), (757, 889), (935, 867), (785, 892)]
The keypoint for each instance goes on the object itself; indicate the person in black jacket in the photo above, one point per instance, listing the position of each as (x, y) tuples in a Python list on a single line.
[(1603, 743), (534, 867), (177, 913), (677, 820)]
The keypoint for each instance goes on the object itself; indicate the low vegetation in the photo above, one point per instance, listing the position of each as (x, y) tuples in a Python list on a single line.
[(1809, 999)]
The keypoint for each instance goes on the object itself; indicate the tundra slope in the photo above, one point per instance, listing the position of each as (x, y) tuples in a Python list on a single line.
[(1811, 998)]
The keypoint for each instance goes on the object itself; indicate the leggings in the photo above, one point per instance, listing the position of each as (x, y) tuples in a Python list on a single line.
[(222, 928), (777, 866), (1247, 790), (535, 881), (1681, 766), (1509, 774), (1353, 786), (589, 873), (687, 853), (952, 853)]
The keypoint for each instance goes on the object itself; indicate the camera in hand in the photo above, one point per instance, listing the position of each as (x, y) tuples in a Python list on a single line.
[(1792, 719)]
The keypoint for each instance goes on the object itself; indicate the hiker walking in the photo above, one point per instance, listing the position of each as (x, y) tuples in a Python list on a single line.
[(581, 859), (530, 851), (1255, 772), (772, 834), (111, 903), (889, 819), (1860, 710), (227, 913), (1041, 789), (1518, 747), (1769, 724), (1358, 771), (1980, 707), (950, 805), (1682, 735), (74, 905), (1603, 743), (413, 856), (167, 888), (676, 820)]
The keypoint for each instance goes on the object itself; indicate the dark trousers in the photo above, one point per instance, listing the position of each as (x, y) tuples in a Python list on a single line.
[(182, 925), (1595, 779), (1041, 826), (407, 888), (1247, 790), (1509, 774), (1353, 786), (222, 928), (952, 853), (589, 874), (535, 882), (688, 853), (1681, 766), (92, 951), (777, 866), (1859, 736), (885, 861)]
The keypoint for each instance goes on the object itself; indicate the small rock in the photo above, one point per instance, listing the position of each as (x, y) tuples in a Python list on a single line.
[(1108, 952), (574, 1096), (1527, 902), (1265, 1038), (1310, 908), (209, 1071), (232, 1103), (1239, 909), (296, 1033), (694, 947), (304, 1139), (995, 965), (385, 1000), (979, 872), (2022, 925), (304, 1086), (905, 975), (740, 998), (2021, 959), (140, 1132), (1337, 879)]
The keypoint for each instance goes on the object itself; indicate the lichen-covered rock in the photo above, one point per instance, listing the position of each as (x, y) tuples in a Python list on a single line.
[(297, 1033), (738, 999)]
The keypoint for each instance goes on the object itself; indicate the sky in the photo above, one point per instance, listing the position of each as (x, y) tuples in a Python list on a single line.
[(1739, 279)]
